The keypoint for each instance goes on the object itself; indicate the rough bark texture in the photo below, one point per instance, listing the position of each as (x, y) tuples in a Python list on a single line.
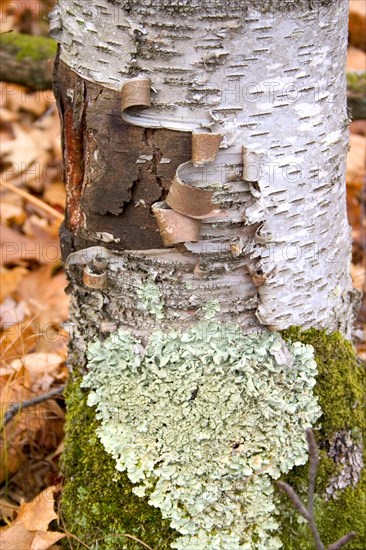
[(270, 80)]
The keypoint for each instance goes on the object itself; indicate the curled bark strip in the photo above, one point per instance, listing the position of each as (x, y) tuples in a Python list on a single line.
[(195, 203), (188, 203), (205, 147), (191, 201), (86, 255), (93, 278), (136, 93), (174, 227)]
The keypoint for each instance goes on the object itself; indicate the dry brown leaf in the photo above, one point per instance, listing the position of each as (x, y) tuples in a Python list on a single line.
[(21, 152), (36, 515), (18, 248), (8, 511), (19, 339), (9, 280), (357, 23), (45, 295), (43, 540), (36, 103), (40, 228), (43, 369), (55, 194), (12, 213), (356, 161), (29, 530), (15, 537), (356, 59), (12, 312), (34, 431)]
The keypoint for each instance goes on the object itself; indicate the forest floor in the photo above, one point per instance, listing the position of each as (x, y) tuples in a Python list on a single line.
[(34, 306)]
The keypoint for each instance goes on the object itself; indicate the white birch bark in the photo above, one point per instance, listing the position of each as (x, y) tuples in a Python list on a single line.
[(270, 77)]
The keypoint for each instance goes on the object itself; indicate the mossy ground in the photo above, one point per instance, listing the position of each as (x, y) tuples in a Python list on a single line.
[(341, 392), (24, 46), (98, 502)]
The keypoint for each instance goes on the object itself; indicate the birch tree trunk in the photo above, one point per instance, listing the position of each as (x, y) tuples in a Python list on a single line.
[(205, 147)]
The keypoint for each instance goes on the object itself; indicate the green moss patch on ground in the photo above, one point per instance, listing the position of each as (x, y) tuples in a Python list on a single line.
[(97, 500), (24, 46), (341, 392)]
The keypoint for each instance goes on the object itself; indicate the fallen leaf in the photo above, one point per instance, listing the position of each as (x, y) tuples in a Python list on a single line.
[(55, 194), (29, 531), (356, 59), (45, 294), (43, 369), (11, 312), (36, 103), (357, 23), (18, 248), (356, 161), (36, 515), (18, 340), (9, 280), (12, 213), (20, 152), (8, 511), (16, 537), (42, 540)]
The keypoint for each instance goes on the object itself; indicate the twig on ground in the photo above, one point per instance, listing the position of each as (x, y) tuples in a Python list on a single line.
[(308, 512), (32, 199), (17, 407)]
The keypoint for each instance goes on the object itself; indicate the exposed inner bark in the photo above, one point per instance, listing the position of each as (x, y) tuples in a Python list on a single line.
[(108, 191)]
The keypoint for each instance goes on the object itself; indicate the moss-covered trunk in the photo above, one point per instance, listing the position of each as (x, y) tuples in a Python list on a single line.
[(98, 502), (204, 151)]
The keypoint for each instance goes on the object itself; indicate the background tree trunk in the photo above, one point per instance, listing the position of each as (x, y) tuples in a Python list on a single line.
[(269, 80)]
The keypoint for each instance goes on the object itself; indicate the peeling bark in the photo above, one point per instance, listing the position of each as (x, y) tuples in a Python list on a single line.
[(283, 226)]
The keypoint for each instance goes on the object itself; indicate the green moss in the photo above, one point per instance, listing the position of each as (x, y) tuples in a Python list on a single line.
[(24, 46), (356, 82), (97, 500), (341, 392)]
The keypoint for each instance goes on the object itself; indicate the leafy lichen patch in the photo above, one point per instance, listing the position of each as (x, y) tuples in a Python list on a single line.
[(97, 501), (202, 420)]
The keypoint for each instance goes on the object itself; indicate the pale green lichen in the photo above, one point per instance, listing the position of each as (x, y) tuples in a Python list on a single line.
[(210, 309), (201, 421), (150, 299)]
